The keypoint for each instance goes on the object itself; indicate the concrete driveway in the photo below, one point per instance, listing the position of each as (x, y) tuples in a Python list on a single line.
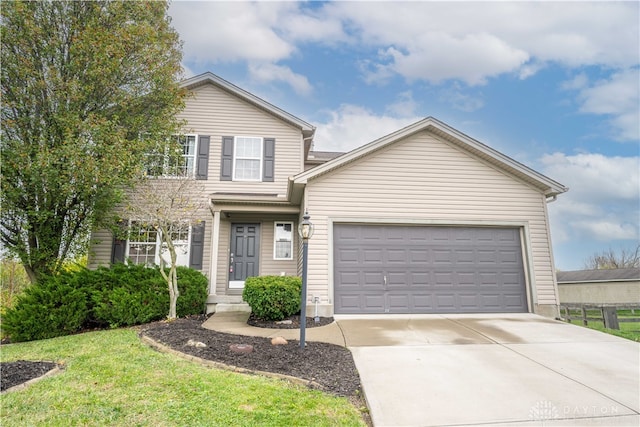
[(514, 369)]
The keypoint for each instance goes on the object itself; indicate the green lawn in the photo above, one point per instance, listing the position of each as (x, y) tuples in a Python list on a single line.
[(112, 379), (628, 330)]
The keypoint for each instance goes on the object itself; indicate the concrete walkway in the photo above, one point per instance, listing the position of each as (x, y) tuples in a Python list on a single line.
[(514, 369)]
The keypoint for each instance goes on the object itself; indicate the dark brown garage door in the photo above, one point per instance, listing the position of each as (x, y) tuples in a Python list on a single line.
[(427, 269)]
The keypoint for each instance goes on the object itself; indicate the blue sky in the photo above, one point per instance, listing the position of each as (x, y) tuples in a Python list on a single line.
[(554, 85)]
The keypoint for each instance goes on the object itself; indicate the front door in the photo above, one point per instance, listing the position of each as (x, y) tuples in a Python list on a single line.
[(243, 259)]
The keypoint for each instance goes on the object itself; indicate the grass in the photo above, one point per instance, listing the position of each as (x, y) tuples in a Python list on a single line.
[(628, 330), (112, 379)]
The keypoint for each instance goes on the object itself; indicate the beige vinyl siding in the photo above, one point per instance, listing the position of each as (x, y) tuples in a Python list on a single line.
[(100, 251), (214, 112), (267, 264), (423, 179)]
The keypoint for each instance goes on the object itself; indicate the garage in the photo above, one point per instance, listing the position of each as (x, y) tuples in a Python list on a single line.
[(427, 269)]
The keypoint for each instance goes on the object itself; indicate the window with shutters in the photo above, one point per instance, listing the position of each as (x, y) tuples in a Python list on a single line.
[(144, 245), (283, 240), (176, 160), (247, 158)]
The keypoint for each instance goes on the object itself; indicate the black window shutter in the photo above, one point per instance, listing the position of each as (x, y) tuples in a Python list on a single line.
[(119, 246), (268, 156), (202, 160), (197, 246), (226, 163)]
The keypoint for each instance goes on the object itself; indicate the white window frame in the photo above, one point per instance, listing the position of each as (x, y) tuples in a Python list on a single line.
[(275, 240), (171, 171), (236, 158), (159, 245)]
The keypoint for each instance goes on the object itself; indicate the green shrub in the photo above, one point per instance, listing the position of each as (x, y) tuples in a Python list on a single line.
[(129, 295), (107, 297), (48, 310), (194, 289), (273, 297)]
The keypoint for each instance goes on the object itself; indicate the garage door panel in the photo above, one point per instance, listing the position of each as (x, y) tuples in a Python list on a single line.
[(374, 303), (430, 269), (422, 303), (419, 278), (398, 302), (347, 256)]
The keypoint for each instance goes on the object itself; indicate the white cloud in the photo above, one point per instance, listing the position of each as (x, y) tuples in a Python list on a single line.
[(473, 41), (603, 200), (265, 73), (352, 126), (473, 58), (405, 106), (619, 97), (230, 31)]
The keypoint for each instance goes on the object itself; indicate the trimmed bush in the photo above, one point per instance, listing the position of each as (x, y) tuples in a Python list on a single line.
[(52, 309), (194, 289), (273, 297), (129, 295), (107, 297)]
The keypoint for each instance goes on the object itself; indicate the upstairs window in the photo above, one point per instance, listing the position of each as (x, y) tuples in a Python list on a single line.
[(283, 240), (190, 157), (247, 158)]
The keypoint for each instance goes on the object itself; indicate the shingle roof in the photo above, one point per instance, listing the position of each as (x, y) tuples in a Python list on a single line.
[(619, 274)]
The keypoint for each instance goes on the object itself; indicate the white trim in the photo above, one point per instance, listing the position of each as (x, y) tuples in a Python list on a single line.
[(438, 127), (525, 242), (213, 268), (166, 168), (235, 159), (275, 241), (159, 243), (236, 284)]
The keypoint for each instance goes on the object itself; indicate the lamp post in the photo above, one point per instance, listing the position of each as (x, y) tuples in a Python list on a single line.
[(305, 229)]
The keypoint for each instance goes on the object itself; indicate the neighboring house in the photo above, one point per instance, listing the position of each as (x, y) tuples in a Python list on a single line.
[(615, 286), (424, 220)]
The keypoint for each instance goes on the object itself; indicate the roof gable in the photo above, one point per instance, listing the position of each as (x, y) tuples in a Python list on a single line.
[(546, 185), (210, 78)]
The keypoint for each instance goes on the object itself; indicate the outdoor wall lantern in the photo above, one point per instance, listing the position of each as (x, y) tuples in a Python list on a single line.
[(305, 229)]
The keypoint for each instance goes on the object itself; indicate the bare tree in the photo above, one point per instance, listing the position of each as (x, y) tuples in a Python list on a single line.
[(611, 259), (168, 206)]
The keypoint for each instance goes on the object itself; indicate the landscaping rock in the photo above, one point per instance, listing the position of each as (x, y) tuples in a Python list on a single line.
[(196, 344), (279, 341), (241, 348)]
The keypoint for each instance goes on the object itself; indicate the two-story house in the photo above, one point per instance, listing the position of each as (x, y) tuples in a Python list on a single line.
[(424, 220)]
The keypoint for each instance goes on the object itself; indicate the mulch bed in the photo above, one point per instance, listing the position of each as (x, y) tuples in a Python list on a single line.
[(21, 371), (330, 366)]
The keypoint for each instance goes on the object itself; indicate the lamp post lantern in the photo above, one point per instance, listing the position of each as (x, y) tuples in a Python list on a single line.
[(305, 229)]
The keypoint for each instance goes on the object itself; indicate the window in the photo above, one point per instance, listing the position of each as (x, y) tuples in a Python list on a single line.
[(162, 162), (247, 159), (144, 245), (283, 240)]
